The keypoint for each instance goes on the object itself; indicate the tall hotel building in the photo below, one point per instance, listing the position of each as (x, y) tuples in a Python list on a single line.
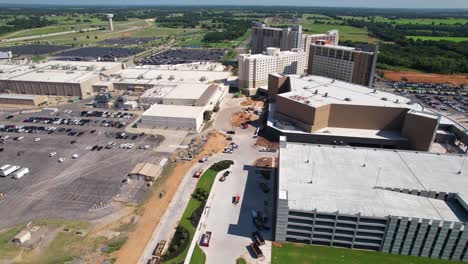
[(264, 37), (348, 64), (330, 38), (255, 68)]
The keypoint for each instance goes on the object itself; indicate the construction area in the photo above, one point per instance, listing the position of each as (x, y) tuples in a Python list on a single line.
[(408, 76)]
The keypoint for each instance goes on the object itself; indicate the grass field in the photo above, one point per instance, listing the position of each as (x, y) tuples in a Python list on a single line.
[(304, 254), (454, 39), (6, 249), (346, 32), (65, 247)]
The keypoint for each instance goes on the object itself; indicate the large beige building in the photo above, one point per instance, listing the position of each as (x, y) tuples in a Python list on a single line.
[(330, 38), (348, 64), (326, 111), (254, 69), (264, 37), (57, 78)]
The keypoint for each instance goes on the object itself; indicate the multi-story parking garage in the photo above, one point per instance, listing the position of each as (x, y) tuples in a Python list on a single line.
[(400, 202)]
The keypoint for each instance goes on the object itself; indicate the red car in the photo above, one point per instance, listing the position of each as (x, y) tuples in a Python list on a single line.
[(198, 173), (205, 239)]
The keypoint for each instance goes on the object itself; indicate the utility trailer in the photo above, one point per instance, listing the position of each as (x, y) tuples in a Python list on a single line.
[(9, 170), (20, 173)]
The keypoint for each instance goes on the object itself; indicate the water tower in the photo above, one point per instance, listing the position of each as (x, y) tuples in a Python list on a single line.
[(109, 20)]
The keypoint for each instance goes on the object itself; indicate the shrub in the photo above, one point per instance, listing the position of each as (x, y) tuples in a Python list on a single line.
[(222, 165)]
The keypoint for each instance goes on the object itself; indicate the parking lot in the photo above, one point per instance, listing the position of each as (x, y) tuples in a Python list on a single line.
[(81, 178), (442, 97), (177, 56)]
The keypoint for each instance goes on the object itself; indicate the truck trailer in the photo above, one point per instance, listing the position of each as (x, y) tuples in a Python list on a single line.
[(3, 168), (20, 173), (9, 170)]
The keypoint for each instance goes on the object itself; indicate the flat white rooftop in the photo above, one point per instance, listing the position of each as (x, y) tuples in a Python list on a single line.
[(184, 90), (176, 111), (318, 91), (57, 71), (332, 178), (153, 75)]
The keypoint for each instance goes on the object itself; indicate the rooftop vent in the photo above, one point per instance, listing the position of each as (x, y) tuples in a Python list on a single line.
[(325, 95), (396, 101), (316, 92), (374, 91), (384, 98), (347, 99)]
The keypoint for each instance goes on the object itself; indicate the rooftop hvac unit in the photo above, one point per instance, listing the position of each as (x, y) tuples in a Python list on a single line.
[(316, 92), (347, 99), (70, 72), (384, 98), (396, 101), (325, 95), (374, 91)]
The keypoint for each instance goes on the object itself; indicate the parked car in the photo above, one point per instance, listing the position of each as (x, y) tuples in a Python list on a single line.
[(198, 173), (52, 154)]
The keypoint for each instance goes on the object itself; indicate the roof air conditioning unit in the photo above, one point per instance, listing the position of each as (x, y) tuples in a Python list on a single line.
[(325, 95), (347, 99)]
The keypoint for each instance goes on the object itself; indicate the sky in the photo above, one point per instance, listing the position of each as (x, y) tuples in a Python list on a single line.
[(333, 3)]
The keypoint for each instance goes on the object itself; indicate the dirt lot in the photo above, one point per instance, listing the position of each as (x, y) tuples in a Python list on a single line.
[(426, 77), (241, 117), (154, 208)]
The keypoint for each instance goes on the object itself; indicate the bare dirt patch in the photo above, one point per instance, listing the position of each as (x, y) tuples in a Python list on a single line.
[(265, 143), (256, 104), (241, 117), (265, 162), (154, 207), (426, 77)]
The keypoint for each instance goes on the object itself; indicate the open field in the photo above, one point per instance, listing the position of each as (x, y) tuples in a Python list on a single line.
[(346, 32), (426, 77), (405, 21), (302, 254), (454, 39)]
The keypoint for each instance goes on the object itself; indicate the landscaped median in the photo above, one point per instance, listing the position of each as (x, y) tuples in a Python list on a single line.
[(185, 232)]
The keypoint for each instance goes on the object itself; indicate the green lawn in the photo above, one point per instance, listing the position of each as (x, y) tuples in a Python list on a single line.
[(454, 39), (305, 254), (205, 182), (198, 256)]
